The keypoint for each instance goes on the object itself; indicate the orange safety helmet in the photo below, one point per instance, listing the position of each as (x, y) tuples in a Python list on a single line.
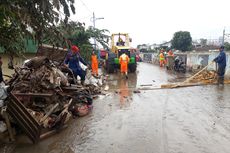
[(74, 49)]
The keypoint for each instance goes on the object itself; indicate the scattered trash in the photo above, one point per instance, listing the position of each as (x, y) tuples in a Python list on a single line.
[(146, 85), (3, 94), (44, 95), (106, 88), (117, 91), (3, 127), (136, 91)]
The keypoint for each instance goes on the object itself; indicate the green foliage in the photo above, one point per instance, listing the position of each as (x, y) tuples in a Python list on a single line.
[(203, 42), (227, 46), (100, 36), (182, 41), (74, 33), (20, 18)]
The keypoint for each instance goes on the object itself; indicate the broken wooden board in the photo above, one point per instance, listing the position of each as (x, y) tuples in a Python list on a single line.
[(183, 84), (177, 85), (24, 119)]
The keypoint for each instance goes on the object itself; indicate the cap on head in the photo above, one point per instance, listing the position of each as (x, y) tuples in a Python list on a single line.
[(74, 49), (222, 47)]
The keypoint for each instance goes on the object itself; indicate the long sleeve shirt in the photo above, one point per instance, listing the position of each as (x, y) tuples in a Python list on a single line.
[(221, 59), (73, 61)]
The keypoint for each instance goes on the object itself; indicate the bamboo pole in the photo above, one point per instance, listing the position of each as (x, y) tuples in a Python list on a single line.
[(186, 82), (189, 79)]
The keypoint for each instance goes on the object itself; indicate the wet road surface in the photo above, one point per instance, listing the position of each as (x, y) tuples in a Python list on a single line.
[(182, 120)]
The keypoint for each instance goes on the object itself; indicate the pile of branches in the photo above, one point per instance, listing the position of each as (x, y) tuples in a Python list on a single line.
[(50, 92), (206, 77)]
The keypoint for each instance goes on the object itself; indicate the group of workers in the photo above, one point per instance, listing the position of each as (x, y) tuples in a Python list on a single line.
[(220, 60), (163, 55), (73, 60)]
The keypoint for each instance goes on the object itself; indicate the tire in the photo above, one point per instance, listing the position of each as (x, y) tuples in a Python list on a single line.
[(175, 68), (183, 69), (132, 68), (110, 68), (109, 63)]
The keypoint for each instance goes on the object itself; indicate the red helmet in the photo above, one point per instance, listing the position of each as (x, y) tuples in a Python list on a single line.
[(74, 49)]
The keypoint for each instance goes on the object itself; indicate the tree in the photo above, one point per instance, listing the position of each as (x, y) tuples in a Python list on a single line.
[(75, 33), (182, 41), (20, 18), (203, 42), (227, 46)]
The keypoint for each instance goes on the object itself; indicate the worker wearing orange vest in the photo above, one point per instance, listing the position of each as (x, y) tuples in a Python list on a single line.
[(161, 58), (94, 64), (170, 53), (124, 61)]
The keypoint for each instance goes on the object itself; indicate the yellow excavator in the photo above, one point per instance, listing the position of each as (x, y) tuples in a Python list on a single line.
[(120, 43)]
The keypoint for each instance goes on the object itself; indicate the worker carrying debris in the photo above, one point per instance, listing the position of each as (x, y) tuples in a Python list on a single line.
[(94, 64), (73, 60), (124, 61), (221, 61)]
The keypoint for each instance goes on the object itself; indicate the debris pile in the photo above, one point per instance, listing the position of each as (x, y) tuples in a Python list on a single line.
[(45, 95), (205, 77)]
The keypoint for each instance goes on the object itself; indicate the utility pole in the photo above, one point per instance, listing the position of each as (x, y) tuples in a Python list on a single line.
[(223, 36), (94, 19), (94, 27)]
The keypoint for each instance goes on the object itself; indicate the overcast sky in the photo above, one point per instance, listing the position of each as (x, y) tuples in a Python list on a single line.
[(155, 21)]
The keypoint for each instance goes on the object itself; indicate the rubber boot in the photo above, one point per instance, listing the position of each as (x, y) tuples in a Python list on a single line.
[(126, 75), (222, 80), (218, 80)]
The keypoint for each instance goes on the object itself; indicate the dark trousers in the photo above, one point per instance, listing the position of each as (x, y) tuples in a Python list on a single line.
[(80, 73), (221, 72)]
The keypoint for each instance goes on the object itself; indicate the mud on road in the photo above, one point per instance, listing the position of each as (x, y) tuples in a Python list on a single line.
[(183, 120)]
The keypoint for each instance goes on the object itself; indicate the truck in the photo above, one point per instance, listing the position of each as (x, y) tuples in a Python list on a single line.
[(120, 43)]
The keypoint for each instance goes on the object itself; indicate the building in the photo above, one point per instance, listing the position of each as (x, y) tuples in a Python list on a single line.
[(18, 58)]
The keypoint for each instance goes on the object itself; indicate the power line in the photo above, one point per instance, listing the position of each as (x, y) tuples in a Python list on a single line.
[(86, 7), (66, 16), (85, 17)]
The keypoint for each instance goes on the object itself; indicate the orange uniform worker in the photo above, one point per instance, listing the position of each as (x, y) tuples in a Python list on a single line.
[(161, 58), (124, 61), (170, 53), (94, 64)]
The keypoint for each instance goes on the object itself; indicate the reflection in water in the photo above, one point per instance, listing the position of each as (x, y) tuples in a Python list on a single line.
[(124, 91)]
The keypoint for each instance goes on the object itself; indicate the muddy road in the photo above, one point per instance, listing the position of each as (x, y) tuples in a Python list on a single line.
[(182, 120)]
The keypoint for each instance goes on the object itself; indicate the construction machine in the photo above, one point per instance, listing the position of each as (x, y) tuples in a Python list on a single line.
[(120, 43)]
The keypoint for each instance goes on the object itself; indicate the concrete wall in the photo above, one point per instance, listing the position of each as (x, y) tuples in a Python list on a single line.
[(193, 60), (17, 62)]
